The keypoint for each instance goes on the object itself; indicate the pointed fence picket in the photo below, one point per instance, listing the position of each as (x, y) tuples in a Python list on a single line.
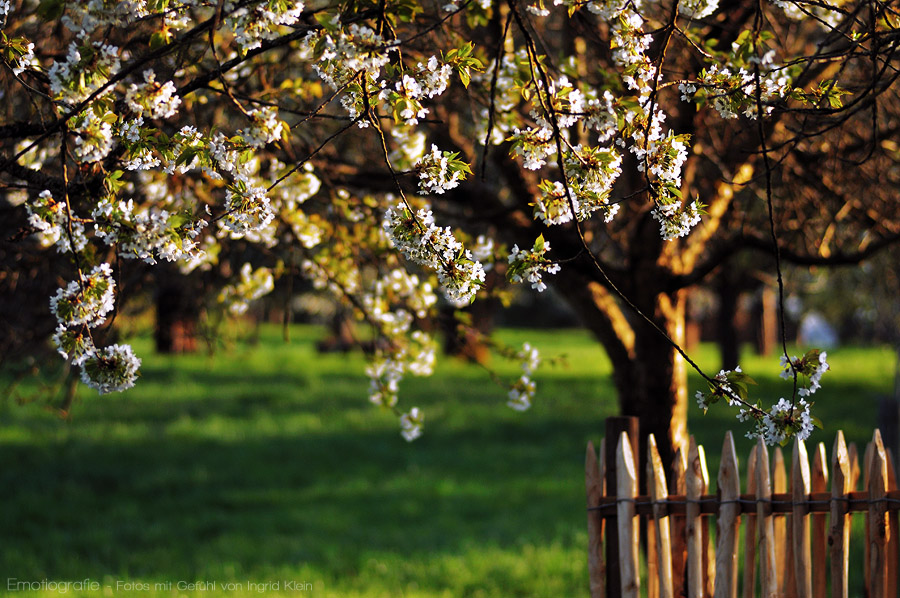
[(796, 519)]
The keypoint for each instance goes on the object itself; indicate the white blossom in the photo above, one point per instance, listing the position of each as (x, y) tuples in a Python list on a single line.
[(252, 285), (411, 424), (531, 265), (71, 83), (86, 301), (111, 369), (460, 274), (152, 98)]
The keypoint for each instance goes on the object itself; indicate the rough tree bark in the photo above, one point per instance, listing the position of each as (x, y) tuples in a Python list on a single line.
[(649, 374)]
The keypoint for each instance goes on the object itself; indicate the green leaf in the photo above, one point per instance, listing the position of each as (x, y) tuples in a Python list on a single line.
[(187, 156), (464, 76), (739, 378), (326, 20), (177, 220), (160, 39)]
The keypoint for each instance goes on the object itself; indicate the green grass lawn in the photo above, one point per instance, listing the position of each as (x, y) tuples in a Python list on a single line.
[(267, 465)]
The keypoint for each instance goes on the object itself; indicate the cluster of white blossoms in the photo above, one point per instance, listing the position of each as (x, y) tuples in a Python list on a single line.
[(608, 9), (570, 103), (522, 391), (421, 241), (440, 171), (140, 158), (342, 56), (698, 9), (252, 285), (253, 23), (93, 135), (676, 220), (265, 127), (630, 47), (89, 15), (153, 99), (287, 199), (18, 52), (427, 80), (413, 353), (811, 366), (431, 79), (787, 418), (409, 146), (634, 123), (353, 59), (384, 381), (665, 154), (400, 287), (454, 5), (80, 306), (85, 69), (110, 369), (829, 14), (224, 158), (531, 265), (53, 225), (784, 420), (554, 205), (85, 302), (391, 304), (725, 385), (337, 273), (534, 145), (411, 424), (145, 233), (185, 148), (247, 207), (591, 173), (601, 117), (732, 88)]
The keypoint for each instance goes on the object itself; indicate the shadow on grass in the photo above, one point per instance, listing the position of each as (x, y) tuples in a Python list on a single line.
[(163, 506)]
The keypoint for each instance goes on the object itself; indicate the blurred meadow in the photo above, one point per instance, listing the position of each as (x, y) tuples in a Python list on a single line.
[(265, 464)]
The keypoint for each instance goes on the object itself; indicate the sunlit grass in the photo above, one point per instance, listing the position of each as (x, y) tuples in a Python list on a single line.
[(267, 464)]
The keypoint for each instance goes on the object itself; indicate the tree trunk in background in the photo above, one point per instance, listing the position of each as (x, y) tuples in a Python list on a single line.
[(768, 326), (727, 334), (178, 305), (649, 375), (653, 385)]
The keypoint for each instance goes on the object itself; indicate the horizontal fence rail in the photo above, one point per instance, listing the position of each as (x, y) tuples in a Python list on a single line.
[(796, 522), (816, 502)]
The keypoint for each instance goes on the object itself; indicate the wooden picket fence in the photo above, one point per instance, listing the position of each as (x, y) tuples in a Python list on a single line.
[(796, 537)]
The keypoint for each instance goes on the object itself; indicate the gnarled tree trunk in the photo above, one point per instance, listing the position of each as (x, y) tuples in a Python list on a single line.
[(649, 374)]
